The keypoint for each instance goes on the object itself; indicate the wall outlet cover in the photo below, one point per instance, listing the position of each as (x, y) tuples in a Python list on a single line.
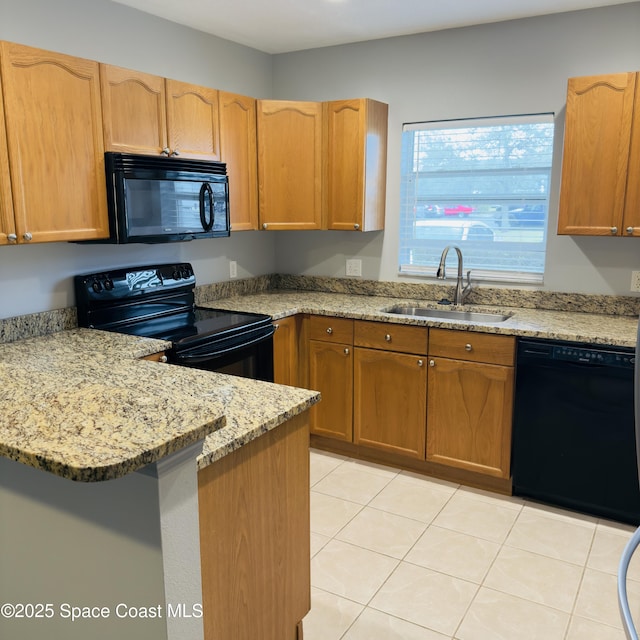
[(233, 269), (354, 267), (635, 281)]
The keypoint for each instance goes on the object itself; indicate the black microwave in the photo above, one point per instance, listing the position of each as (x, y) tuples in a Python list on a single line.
[(153, 199)]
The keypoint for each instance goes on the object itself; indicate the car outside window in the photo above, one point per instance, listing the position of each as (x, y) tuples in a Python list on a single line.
[(482, 184)]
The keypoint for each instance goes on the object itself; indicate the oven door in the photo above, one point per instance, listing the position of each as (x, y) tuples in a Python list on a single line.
[(248, 354)]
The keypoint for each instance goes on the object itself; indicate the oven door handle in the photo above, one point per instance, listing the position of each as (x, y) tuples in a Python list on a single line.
[(216, 353)]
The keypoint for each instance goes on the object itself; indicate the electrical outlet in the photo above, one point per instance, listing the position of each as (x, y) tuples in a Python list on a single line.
[(233, 269), (354, 267), (635, 281)]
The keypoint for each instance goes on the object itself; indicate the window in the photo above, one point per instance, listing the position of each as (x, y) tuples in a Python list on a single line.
[(483, 185)]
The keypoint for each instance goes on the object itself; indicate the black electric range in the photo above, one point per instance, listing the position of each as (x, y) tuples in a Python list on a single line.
[(159, 302)]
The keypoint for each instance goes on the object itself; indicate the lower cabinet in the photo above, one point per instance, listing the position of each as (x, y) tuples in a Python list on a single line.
[(254, 537), (286, 351), (447, 414), (331, 373), (470, 401), (390, 388)]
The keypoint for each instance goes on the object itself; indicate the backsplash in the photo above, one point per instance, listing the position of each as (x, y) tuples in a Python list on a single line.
[(37, 324)]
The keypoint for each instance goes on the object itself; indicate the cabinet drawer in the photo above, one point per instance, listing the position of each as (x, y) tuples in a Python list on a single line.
[(476, 347), (331, 329), (391, 337)]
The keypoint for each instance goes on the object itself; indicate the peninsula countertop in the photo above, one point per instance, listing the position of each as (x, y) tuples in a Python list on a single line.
[(81, 404), (573, 326)]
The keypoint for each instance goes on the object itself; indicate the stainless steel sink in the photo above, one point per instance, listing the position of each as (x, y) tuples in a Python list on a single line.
[(448, 314)]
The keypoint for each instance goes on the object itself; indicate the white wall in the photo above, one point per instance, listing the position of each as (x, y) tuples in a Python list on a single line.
[(504, 68), (38, 277), (497, 69)]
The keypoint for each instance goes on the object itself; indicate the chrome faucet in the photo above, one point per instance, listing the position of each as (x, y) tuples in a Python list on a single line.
[(461, 292)]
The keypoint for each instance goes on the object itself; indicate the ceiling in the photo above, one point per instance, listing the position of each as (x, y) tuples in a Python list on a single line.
[(279, 26)]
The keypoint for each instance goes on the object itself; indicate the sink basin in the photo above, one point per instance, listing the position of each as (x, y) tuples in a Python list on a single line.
[(449, 314)]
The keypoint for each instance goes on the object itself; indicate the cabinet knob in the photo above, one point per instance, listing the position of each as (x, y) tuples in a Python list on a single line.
[(388, 337), (420, 363), (346, 351), (27, 237), (165, 152), (614, 230), (264, 225), (356, 226), (175, 152), (329, 330), (163, 358), (432, 363), (629, 230), (468, 347), (12, 237)]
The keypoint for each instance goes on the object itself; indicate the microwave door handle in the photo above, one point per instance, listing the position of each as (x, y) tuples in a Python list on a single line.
[(206, 189)]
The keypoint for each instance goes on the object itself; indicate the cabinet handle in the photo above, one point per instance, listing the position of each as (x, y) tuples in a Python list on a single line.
[(356, 226), (388, 337), (346, 351), (27, 237), (329, 330), (276, 326), (264, 225), (175, 152), (163, 358), (614, 230), (165, 152), (420, 363), (12, 237), (432, 363), (629, 230), (468, 347)]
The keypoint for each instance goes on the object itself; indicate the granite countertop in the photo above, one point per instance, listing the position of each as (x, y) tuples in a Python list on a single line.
[(80, 404), (593, 328)]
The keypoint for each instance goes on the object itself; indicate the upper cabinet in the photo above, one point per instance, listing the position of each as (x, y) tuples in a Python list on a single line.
[(239, 152), (356, 164), (290, 164), (55, 147), (148, 114), (600, 192), (7, 222), (192, 120), (322, 165)]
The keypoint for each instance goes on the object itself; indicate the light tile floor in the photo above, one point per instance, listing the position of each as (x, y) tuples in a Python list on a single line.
[(398, 556)]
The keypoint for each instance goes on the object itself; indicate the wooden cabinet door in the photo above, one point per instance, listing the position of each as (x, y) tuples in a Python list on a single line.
[(238, 149), (286, 351), (596, 154), (192, 121), (134, 111), (290, 164), (356, 164), (56, 152), (469, 414), (331, 373), (632, 199), (254, 537), (390, 397), (7, 223)]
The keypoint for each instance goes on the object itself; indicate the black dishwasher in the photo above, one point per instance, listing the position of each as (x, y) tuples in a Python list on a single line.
[(573, 429)]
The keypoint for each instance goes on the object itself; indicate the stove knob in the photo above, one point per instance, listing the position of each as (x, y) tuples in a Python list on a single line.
[(108, 285), (96, 286), (176, 274)]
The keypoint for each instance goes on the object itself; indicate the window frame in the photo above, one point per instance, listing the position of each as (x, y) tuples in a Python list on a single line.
[(409, 201)]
